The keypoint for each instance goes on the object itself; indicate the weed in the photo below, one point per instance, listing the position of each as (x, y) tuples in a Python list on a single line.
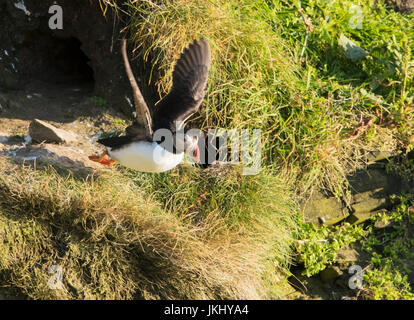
[(97, 101)]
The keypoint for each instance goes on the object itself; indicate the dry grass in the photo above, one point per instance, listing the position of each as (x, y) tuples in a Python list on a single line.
[(115, 241)]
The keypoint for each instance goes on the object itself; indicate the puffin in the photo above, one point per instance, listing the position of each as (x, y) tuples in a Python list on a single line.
[(157, 143)]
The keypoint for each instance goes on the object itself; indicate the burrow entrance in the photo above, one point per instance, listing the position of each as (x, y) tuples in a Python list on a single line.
[(84, 54), (56, 61), (69, 63)]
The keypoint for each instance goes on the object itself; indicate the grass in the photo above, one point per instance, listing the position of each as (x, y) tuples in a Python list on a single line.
[(115, 238), (199, 234), (296, 86)]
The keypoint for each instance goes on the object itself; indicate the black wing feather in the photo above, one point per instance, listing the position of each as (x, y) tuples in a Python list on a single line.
[(134, 132), (115, 142), (190, 77)]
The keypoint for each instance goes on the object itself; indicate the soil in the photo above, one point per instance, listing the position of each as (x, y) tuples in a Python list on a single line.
[(86, 50), (68, 107)]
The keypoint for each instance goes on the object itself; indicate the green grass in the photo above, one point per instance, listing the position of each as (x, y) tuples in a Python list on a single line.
[(197, 234), (268, 72)]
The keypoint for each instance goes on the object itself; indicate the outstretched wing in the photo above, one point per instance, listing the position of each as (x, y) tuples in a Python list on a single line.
[(190, 77), (141, 128), (143, 115)]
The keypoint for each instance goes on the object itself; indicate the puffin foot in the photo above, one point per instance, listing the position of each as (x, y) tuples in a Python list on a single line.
[(102, 160), (107, 162)]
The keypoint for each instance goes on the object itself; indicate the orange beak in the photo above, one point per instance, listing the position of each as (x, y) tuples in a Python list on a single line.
[(196, 154)]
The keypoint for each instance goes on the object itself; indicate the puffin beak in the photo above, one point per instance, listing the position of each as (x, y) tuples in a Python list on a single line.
[(196, 154)]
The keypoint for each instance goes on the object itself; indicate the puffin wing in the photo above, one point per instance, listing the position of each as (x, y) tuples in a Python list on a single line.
[(189, 81), (141, 128), (115, 142), (143, 115), (134, 132)]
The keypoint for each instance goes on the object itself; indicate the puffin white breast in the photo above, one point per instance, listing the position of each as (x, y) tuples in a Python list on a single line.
[(146, 156)]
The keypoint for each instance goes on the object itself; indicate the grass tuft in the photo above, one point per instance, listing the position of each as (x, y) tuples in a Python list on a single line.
[(270, 72), (116, 238)]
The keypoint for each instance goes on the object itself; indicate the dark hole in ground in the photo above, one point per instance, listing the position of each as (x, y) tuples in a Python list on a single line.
[(55, 60), (69, 64), (72, 62), (55, 79)]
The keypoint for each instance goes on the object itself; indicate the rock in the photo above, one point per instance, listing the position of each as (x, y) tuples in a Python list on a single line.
[(366, 204), (6, 103), (326, 211), (347, 256), (3, 138), (370, 193), (370, 201), (47, 54), (343, 281), (405, 6), (41, 131), (359, 217), (374, 156), (73, 157), (330, 273), (383, 224), (374, 179), (351, 49)]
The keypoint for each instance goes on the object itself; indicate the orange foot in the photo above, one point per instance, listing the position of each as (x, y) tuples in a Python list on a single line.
[(102, 160)]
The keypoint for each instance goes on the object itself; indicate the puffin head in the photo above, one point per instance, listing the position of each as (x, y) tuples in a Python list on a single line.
[(191, 147)]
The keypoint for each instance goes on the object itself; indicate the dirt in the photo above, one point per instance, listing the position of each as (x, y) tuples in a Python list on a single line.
[(72, 78), (68, 107), (86, 49)]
